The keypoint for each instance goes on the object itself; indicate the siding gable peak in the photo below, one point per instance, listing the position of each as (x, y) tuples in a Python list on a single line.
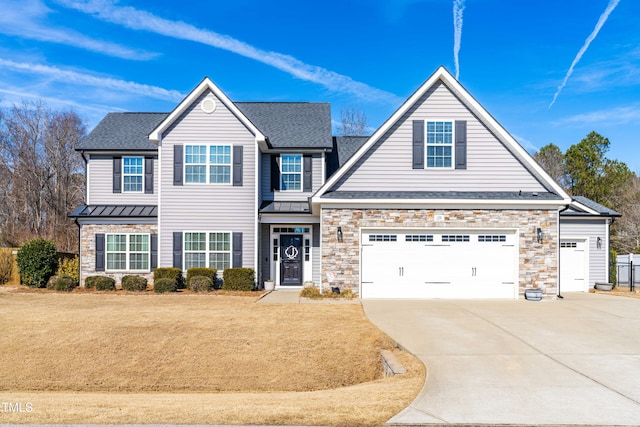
[(443, 76), (205, 85)]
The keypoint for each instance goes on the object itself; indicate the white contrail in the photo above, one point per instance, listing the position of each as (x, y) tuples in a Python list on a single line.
[(29, 21), (458, 8), (136, 19), (603, 18), (86, 79)]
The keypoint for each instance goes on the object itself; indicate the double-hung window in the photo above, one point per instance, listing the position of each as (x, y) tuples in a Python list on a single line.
[(439, 145), (127, 252), (291, 172), (207, 164), (212, 250), (132, 174)]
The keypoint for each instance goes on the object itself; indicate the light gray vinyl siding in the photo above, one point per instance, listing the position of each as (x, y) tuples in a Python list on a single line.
[(388, 165), (100, 184), (207, 207), (316, 252), (316, 181), (590, 230)]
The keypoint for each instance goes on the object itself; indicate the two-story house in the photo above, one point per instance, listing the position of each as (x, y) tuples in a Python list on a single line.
[(439, 202)]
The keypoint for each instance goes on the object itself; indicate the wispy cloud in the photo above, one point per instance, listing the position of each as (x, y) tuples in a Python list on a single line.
[(27, 21), (603, 18), (628, 114), (527, 144), (136, 19), (95, 81), (458, 8), (17, 96)]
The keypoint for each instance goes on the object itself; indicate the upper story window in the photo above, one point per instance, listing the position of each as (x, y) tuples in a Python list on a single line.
[(207, 164), (132, 174), (291, 172), (439, 145)]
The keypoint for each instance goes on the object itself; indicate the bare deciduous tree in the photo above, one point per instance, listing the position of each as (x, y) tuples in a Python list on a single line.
[(42, 172), (353, 121)]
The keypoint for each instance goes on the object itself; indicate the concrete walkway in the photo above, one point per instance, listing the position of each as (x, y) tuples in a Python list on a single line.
[(573, 361)]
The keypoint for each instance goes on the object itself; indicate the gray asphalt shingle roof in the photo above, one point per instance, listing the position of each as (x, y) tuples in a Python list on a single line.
[(485, 195), (602, 210), (285, 124), (343, 148), (291, 124), (123, 131)]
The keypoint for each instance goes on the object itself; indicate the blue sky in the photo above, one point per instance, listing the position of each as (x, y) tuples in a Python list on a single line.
[(547, 70)]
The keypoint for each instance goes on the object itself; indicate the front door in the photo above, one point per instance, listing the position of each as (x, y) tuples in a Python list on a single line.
[(291, 260)]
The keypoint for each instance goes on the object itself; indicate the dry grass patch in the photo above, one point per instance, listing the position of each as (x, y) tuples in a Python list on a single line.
[(621, 292), (182, 343), (90, 358), (368, 404)]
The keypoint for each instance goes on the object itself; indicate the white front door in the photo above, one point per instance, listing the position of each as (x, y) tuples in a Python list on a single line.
[(573, 273)]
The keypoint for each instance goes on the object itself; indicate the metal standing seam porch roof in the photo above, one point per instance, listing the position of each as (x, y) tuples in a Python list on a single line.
[(115, 211)]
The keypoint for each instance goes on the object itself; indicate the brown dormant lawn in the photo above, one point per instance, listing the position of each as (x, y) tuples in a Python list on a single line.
[(146, 358)]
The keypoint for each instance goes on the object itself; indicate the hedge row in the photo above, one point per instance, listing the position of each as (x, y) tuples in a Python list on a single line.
[(165, 280)]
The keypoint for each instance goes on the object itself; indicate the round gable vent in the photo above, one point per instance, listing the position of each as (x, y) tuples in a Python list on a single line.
[(208, 105)]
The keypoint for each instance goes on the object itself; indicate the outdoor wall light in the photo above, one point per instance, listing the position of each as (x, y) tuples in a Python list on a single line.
[(599, 243), (339, 234), (539, 233)]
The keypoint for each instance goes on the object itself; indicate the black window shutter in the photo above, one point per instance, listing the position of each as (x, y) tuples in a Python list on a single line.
[(177, 249), (117, 174), (148, 175), (306, 172), (461, 144), (275, 173), (237, 250), (237, 165), (100, 252), (418, 144), (154, 251), (177, 164)]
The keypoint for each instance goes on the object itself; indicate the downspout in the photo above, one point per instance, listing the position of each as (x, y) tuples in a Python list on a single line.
[(559, 239), (79, 254)]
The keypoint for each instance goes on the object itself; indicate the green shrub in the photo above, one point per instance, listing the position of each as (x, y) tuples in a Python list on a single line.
[(37, 262), (90, 282), (310, 292), (6, 265), (51, 283), (211, 273), (65, 283), (69, 267), (169, 273), (104, 283), (134, 283), (200, 284), (165, 285), (238, 279)]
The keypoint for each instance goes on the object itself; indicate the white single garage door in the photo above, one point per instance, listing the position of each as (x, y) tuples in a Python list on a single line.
[(573, 263), (443, 264)]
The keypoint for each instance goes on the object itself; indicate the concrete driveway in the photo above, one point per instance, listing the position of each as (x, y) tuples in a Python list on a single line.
[(571, 361)]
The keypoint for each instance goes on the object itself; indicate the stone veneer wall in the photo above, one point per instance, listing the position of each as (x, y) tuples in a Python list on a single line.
[(88, 248), (538, 262)]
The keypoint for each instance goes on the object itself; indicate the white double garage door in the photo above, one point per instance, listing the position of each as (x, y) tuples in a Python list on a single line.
[(457, 264)]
